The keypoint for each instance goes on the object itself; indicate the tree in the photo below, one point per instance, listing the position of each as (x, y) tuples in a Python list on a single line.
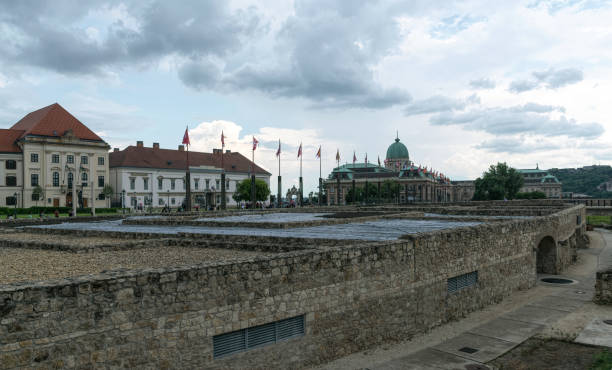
[(499, 182), (243, 191), (388, 190), (108, 192), (37, 193)]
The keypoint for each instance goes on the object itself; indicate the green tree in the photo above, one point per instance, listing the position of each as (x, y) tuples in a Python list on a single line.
[(243, 191), (108, 192), (37, 193), (499, 182), (360, 192), (388, 190)]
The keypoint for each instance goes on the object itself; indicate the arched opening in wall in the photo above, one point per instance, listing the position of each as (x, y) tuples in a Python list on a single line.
[(546, 258)]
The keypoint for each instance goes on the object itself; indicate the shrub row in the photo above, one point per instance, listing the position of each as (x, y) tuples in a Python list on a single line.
[(37, 210)]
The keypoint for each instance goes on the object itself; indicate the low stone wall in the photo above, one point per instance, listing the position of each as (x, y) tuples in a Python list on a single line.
[(603, 287), (352, 297), (53, 221)]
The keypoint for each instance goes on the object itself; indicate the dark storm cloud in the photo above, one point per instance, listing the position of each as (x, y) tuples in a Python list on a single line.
[(325, 52), (550, 79), (528, 119)]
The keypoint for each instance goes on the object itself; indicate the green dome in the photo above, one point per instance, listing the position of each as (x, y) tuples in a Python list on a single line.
[(397, 150)]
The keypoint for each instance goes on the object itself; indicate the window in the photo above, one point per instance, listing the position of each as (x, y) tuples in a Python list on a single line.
[(217, 182), (227, 185), (133, 201), (35, 197), (173, 201), (207, 184), (196, 183), (70, 178), (132, 184), (11, 201), (11, 164), (462, 281), (55, 178), (84, 159), (100, 181), (160, 183), (100, 161), (172, 183), (34, 179), (160, 201), (34, 157), (84, 179), (11, 181), (70, 159), (257, 336), (55, 158), (145, 183)]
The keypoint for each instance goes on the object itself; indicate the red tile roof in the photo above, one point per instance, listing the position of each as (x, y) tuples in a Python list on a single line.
[(8, 139), (142, 157), (53, 120)]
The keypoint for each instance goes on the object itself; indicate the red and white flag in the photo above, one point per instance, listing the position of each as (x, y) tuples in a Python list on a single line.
[(318, 156), (255, 142), (354, 157), (278, 151), (300, 151), (186, 137), (222, 139)]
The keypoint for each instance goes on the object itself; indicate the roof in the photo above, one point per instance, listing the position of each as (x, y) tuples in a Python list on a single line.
[(8, 140), (397, 150), (528, 170), (143, 157), (53, 120)]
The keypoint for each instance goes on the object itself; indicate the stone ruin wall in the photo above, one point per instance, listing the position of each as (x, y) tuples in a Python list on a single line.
[(352, 298)]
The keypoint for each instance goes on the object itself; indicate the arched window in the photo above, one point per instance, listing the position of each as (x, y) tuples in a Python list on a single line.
[(55, 178), (70, 177)]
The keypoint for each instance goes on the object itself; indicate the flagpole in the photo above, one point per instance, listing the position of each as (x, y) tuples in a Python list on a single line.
[(279, 191), (301, 182), (223, 187), (320, 178), (188, 182), (253, 199)]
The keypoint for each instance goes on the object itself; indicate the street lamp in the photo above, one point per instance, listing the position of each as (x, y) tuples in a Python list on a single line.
[(123, 201), (15, 195), (168, 202)]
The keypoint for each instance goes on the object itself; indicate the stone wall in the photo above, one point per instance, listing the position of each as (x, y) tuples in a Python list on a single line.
[(353, 297), (603, 287)]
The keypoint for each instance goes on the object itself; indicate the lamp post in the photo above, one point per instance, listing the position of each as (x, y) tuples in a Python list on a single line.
[(168, 203), (123, 201), (15, 195)]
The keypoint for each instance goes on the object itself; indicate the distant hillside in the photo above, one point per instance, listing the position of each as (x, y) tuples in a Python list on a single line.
[(584, 180)]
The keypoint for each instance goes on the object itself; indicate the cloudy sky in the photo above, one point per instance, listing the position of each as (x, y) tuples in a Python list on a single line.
[(465, 83)]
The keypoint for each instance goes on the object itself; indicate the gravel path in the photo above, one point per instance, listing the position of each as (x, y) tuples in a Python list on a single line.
[(19, 265)]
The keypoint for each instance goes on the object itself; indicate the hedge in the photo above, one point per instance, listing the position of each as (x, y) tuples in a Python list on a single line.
[(48, 210)]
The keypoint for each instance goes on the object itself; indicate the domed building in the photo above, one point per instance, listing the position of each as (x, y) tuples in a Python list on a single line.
[(397, 181)]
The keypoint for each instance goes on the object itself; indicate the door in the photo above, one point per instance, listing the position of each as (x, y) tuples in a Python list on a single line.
[(84, 202), (69, 200), (55, 202)]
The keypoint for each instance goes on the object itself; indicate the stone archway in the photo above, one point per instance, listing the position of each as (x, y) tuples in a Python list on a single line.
[(546, 257)]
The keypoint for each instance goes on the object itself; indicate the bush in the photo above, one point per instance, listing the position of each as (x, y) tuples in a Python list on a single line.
[(531, 195)]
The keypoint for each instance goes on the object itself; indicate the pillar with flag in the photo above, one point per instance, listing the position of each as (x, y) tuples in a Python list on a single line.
[(279, 192), (223, 185), (318, 156), (301, 193), (187, 173), (253, 197)]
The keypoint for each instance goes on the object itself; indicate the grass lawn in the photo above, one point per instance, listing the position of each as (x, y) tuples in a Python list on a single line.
[(596, 220)]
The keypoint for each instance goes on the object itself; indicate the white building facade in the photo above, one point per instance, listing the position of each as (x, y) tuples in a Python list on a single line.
[(153, 177), (47, 151)]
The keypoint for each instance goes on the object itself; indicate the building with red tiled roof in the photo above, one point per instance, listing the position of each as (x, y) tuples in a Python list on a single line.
[(43, 152), (152, 176)]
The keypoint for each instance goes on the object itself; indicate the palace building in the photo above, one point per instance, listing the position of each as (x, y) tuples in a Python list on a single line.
[(44, 153), (540, 180), (398, 180), (155, 177)]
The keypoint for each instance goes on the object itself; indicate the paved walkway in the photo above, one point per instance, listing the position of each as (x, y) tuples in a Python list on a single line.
[(545, 305)]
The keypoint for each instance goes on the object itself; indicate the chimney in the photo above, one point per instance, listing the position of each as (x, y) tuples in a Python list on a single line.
[(155, 145), (115, 150), (181, 148), (139, 144)]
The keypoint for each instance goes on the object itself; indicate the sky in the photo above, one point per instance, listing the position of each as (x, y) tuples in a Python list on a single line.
[(465, 84)]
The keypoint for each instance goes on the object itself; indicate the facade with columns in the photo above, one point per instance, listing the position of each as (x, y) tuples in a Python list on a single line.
[(154, 177), (414, 184), (47, 152)]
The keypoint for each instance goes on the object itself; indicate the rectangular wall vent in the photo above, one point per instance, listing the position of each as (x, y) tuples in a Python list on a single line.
[(462, 281), (257, 336)]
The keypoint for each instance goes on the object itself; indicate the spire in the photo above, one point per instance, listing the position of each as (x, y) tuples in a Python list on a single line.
[(397, 136)]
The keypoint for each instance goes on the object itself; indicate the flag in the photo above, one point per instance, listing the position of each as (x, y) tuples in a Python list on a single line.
[(222, 139), (378, 161), (278, 151), (255, 142), (354, 157), (186, 137), (300, 151), (338, 155), (318, 156)]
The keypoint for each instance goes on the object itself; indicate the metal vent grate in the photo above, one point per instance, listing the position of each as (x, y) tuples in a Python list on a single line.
[(462, 281), (257, 336)]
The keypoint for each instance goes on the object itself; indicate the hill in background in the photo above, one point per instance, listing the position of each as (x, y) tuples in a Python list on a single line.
[(590, 180)]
